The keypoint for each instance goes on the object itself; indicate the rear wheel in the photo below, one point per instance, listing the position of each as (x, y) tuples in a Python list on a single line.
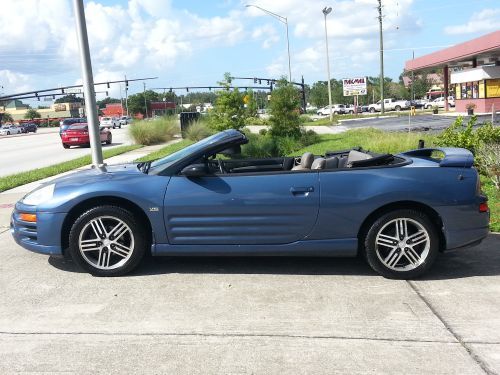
[(402, 244), (397, 108), (65, 145), (107, 241), (372, 110), (109, 139)]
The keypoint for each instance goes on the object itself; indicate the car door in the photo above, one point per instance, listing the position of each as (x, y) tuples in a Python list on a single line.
[(266, 208)]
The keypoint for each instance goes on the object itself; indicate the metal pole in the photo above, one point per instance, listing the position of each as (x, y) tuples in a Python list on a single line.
[(325, 12), (382, 109), (304, 103), (288, 48), (145, 102), (126, 94), (88, 86)]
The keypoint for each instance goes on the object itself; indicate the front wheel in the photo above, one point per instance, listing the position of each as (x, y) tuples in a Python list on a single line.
[(65, 145), (402, 244), (109, 139), (397, 108), (372, 110), (107, 241)]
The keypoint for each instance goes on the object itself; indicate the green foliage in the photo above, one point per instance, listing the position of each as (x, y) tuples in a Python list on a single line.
[(31, 114), (136, 101), (489, 156), (263, 131), (152, 132), (229, 111), (6, 117), (71, 98), (305, 118), (198, 130), (464, 136), (251, 105), (493, 194), (284, 109), (259, 146), (102, 103), (256, 121)]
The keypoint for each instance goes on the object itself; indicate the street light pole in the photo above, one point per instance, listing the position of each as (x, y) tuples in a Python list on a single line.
[(326, 12), (382, 109), (145, 102), (88, 86), (283, 20)]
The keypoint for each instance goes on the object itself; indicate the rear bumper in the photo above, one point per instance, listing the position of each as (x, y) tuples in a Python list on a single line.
[(464, 225)]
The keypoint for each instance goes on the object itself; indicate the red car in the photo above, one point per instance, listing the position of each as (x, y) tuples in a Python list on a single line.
[(78, 135)]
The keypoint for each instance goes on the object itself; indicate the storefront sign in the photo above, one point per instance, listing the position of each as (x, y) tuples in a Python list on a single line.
[(354, 86)]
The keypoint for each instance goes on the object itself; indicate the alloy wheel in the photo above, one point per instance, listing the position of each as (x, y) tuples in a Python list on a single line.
[(402, 244), (106, 242)]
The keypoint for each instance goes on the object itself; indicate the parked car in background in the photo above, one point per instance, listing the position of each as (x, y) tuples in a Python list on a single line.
[(110, 122), (439, 102), (390, 104), (9, 129), (419, 103), (64, 124), (125, 120), (337, 109), (28, 127), (78, 135)]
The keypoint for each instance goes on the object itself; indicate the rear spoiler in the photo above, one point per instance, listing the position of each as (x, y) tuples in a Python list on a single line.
[(453, 157)]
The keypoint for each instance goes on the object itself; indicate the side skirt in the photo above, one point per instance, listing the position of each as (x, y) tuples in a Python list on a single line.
[(346, 247)]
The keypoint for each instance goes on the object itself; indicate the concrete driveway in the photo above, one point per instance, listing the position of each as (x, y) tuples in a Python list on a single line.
[(250, 316)]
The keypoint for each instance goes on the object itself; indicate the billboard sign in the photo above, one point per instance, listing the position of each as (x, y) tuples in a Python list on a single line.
[(354, 86)]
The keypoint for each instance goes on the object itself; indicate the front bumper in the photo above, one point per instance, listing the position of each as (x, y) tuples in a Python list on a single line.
[(42, 237)]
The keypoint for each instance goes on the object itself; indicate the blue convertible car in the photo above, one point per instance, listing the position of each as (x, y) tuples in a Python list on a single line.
[(398, 211)]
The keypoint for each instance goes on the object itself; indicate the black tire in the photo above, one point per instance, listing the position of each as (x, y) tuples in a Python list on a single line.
[(397, 108), (137, 231), (109, 140), (372, 256), (8, 133), (119, 126), (372, 110), (65, 145), (335, 113)]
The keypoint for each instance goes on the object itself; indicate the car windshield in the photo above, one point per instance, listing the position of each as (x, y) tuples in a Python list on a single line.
[(191, 149), (106, 119)]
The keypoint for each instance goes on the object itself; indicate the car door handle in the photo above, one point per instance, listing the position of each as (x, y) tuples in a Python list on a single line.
[(304, 190)]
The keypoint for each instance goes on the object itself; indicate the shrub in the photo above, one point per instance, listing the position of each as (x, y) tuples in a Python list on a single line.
[(159, 130), (263, 131), (229, 111), (259, 146), (284, 109), (464, 136), (305, 118), (198, 130), (489, 162), (256, 121)]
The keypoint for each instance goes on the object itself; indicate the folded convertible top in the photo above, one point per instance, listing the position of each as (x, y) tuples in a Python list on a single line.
[(453, 157)]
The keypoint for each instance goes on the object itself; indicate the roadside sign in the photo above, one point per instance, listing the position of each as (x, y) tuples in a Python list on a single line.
[(48, 99), (73, 91), (354, 86)]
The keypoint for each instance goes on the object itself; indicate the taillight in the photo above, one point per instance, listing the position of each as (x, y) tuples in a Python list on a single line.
[(483, 207)]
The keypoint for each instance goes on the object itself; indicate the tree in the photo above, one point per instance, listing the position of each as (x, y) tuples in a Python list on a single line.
[(136, 101), (229, 111), (6, 117), (102, 103), (70, 98), (251, 104), (318, 95), (284, 108), (31, 114)]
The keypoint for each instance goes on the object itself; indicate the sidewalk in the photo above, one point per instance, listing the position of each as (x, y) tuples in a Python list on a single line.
[(9, 197)]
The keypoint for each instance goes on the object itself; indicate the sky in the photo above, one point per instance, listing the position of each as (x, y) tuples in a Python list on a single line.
[(193, 43)]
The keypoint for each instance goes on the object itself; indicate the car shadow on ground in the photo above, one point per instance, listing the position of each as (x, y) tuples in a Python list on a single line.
[(482, 260)]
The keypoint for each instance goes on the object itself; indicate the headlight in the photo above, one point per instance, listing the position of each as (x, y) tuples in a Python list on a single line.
[(39, 196)]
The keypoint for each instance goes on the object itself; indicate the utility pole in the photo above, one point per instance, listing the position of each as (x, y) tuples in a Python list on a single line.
[(382, 109), (145, 102), (412, 79), (88, 86)]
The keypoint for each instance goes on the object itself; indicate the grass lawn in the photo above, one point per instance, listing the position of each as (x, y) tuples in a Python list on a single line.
[(493, 202), (370, 139), (167, 150), (18, 179)]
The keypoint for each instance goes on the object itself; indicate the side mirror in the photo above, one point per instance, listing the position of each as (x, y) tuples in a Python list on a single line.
[(195, 170)]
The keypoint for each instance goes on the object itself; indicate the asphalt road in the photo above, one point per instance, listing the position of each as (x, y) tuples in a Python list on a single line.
[(250, 316), (416, 123), (34, 150)]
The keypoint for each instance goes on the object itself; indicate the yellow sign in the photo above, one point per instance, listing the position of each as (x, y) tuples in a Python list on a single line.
[(246, 99), (493, 88)]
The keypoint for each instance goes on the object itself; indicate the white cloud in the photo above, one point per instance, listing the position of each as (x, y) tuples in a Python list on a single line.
[(14, 82), (267, 33), (480, 22)]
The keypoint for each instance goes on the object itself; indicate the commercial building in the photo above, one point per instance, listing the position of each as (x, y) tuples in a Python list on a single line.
[(17, 109), (471, 72)]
